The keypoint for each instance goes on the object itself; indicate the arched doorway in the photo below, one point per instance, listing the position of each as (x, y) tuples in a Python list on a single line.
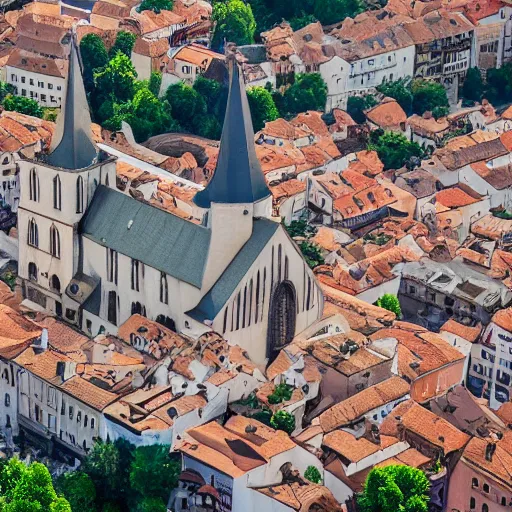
[(282, 317)]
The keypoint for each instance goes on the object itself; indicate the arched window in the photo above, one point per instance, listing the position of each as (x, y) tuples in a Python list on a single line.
[(164, 290), (57, 193), (34, 185), (486, 487), (54, 241), (251, 286), (55, 283), (244, 312), (79, 194), (112, 307), (167, 322), (33, 233), (257, 304), (279, 258), (135, 275), (225, 323), (32, 271), (7, 400), (485, 507), (474, 482)]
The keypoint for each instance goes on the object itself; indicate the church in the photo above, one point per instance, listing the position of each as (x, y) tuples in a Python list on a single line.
[(94, 256)]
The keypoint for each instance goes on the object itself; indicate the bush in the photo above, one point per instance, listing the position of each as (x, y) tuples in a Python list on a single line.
[(391, 303), (23, 105), (427, 96), (394, 149), (308, 92), (312, 254), (301, 228), (155, 5), (313, 475), (473, 87), (282, 393), (283, 420), (79, 490)]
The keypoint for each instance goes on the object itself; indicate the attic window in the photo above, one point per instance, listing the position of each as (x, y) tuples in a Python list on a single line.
[(359, 203), (43, 66), (371, 197), (453, 22), (308, 38), (24, 61)]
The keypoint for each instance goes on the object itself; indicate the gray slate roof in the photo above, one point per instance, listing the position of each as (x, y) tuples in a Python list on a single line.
[(73, 148), (212, 303), (238, 177), (145, 233)]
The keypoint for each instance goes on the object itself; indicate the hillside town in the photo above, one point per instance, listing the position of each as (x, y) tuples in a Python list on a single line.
[(254, 258)]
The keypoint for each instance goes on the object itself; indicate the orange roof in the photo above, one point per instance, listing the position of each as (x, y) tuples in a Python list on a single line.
[(354, 408), (387, 115), (468, 333), (197, 54), (43, 365), (88, 393), (455, 198), (503, 319), (16, 332)]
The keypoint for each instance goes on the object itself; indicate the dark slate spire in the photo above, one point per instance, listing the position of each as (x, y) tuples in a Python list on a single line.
[(73, 147), (238, 177)]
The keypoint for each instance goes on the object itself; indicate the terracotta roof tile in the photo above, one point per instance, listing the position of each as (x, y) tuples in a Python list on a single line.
[(16, 332), (503, 319), (468, 333), (387, 115), (88, 393), (455, 197)]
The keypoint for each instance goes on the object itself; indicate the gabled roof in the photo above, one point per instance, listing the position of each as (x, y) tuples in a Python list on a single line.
[(238, 177), (74, 148), (145, 233)]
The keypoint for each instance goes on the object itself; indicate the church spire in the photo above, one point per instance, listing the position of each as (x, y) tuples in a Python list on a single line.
[(238, 177), (72, 145)]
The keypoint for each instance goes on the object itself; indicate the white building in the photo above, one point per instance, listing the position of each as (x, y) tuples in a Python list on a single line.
[(95, 256)]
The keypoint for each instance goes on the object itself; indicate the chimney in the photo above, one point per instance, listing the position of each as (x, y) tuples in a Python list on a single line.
[(66, 370), (489, 451), (41, 345)]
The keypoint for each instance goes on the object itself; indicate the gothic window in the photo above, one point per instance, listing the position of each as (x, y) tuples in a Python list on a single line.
[(112, 307), (166, 322), (112, 260), (286, 267), (164, 290), (282, 318), (32, 271), (279, 257), (33, 233), (79, 194), (238, 300), (135, 275), (34, 185), (54, 241), (57, 193), (244, 312), (308, 299), (224, 325), (264, 291), (250, 303), (55, 283), (138, 309), (272, 270), (257, 305)]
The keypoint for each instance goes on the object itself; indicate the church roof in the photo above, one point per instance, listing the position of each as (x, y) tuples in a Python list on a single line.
[(212, 303), (238, 177), (73, 148), (147, 234)]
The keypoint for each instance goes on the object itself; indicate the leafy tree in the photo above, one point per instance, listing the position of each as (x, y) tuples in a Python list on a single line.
[(23, 105), (499, 84), (301, 21), (155, 5), (263, 108), (473, 87), (50, 114), (394, 149), (308, 92), (400, 90), (234, 22), (148, 116), (79, 490), (301, 228), (125, 42), (152, 505), (117, 79), (312, 254), (187, 106), (154, 472), (313, 475), (356, 105), (391, 303), (210, 90), (5, 90), (282, 393), (427, 96), (395, 488), (155, 82), (94, 57), (209, 127), (329, 12), (283, 420), (29, 489)]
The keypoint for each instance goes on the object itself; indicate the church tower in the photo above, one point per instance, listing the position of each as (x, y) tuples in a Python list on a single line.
[(56, 190), (237, 193)]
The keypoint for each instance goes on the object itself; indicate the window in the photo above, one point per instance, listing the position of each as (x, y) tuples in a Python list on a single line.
[(135, 275), (486, 487), (503, 501), (51, 397), (34, 185), (40, 84), (63, 408), (55, 283), (31, 81), (112, 307), (33, 233), (23, 79), (57, 193), (59, 87), (70, 412), (43, 97), (79, 194), (112, 265), (472, 503), (93, 422), (187, 70), (79, 416), (412, 290), (23, 92), (32, 271), (474, 483), (54, 241), (164, 291), (7, 400), (485, 507), (13, 78)]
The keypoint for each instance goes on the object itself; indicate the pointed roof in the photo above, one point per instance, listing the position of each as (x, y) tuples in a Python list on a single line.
[(238, 177), (73, 147)]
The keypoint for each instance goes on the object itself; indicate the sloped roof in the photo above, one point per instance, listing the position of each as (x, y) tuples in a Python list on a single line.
[(145, 233)]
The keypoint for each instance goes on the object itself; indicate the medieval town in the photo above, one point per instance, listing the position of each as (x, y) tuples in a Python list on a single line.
[(256, 256)]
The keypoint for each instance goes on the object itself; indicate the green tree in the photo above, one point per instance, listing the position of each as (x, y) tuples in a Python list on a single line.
[(391, 303), (23, 105), (186, 105), (308, 92), (427, 96), (283, 420), (263, 108), (313, 475), (29, 489), (400, 90), (148, 115), (155, 82), (117, 79), (301, 228), (155, 5), (210, 90), (499, 84), (94, 57), (329, 12), (5, 90), (312, 254), (234, 22), (356, 105), (151, 505), (394, 489), (394, 149), (78, 488), (124, 43), (154, 473), (473, 87)]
